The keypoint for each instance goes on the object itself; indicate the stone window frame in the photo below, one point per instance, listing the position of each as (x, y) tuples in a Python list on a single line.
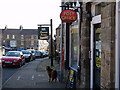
[(13, 36), (8, 36), (3, 41), (36, 36), (32, 42), (22, 36), (32, 36), (22, 42)]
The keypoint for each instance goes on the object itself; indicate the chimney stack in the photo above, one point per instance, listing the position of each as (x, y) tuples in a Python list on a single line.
[(6, 27), (21, 27)]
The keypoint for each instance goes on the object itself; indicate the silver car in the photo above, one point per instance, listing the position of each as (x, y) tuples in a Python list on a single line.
[(33, 53)]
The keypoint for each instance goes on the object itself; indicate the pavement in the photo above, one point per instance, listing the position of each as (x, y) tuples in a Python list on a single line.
[(33, 75)]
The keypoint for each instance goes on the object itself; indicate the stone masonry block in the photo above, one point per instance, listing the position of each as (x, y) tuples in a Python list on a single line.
[(107, 11), (106, 23), (106, 35), (105, 74)]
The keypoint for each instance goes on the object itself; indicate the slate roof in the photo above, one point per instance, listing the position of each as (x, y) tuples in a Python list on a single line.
[(29, 32), (11, 31), (22, 32)]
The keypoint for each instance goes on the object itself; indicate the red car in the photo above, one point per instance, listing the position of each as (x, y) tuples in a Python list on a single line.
[(13, 58)]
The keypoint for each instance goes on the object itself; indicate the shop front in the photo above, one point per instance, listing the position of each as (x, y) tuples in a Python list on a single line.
[(102, 46), (74, 55), (71, 16), (74, 47), (74, 52)]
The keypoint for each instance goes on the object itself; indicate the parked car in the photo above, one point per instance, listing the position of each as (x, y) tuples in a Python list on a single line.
[(28, 55), (44, 54), (37, 53), (13, 58), (47, 53), (41, 55), (33, 53)]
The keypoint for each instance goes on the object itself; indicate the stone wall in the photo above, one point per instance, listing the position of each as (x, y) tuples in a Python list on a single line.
[(58, 38), (85, 48), (17, 39), (107, 75), (27, 40), (108, 45)]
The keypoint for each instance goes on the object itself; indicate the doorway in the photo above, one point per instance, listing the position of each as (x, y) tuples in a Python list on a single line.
[(97, 55), (95, 52)]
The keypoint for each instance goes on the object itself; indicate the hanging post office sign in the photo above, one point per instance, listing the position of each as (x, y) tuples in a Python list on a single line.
[(43, 33), (68, 16)]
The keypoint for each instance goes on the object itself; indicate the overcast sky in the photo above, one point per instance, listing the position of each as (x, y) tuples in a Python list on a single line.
[(29, 13)]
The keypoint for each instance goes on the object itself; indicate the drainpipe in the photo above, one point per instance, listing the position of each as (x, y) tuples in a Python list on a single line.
[(117, 48)]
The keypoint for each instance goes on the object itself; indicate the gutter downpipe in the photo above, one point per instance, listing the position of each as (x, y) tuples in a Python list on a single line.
[(61, 34), (117, 48)]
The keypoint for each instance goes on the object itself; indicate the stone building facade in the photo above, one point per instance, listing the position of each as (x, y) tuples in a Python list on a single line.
[(96, 45), (106, 73), (58, 38), (20, 38), (30, 38), (108, 45)]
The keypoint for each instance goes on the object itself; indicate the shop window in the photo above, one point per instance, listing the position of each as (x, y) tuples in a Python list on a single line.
[(98, 47), (74, 48)]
